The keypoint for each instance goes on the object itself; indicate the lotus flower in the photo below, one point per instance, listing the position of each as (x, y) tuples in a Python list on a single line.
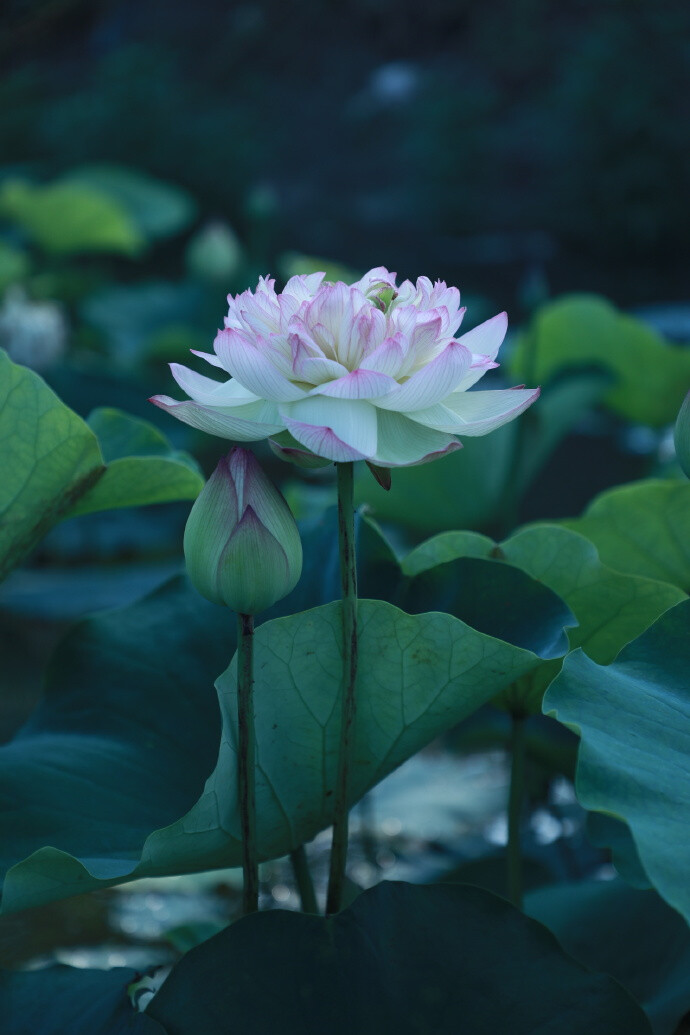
[(337, 372)]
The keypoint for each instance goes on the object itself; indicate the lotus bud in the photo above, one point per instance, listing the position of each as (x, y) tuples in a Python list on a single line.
[(681, 436), (241, 542)]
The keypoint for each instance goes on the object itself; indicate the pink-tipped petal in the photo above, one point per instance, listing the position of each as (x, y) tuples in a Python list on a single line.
[(404, 443), (249, 423), (208, 392), (339, 429), (388, 358), (432, 383), (487, 338), (297, 455), (253, 368), (480, 365), (477, 413), (359, 384), (323, 442), (210, 357), (303, 286)]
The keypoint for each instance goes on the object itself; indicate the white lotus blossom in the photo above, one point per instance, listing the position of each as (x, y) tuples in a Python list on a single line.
[(338, 372)]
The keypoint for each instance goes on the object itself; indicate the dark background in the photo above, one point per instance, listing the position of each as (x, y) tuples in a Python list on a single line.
[(513, 147)]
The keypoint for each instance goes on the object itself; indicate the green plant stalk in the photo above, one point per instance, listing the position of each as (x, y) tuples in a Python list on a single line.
[(305, 885), (348, 579), (246, 761), (515, 807)]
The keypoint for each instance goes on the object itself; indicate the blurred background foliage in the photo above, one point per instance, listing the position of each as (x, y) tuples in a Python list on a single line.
[(154, 157)]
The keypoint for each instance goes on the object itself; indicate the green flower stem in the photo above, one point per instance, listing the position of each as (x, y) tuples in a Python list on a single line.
[(348, 579), (515, 807), (246, 761), (305, 885)]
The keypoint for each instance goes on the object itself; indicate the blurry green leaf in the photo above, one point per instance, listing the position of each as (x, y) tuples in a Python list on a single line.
[(681, 436), (631, 935), (611, 608), (142, 466), (53, 466), (14, 265), (57, 1000), (643, 529), (474, 487), (652, 376), (461, 490), (633, 718), (404, 959), (50, 458), (158, 209), (293, 264), (66, 218), (132, 317)]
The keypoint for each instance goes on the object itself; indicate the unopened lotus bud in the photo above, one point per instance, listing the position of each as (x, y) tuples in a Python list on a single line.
[(241, 542), (681, 436)]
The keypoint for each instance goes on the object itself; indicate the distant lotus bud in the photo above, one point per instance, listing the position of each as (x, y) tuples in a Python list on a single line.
[(681, 436), (214, 253), (241, 542)]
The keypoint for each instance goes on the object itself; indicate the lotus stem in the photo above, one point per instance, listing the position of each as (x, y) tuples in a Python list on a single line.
[(515, 808), (348, 578), (305, 885), (246, 761)]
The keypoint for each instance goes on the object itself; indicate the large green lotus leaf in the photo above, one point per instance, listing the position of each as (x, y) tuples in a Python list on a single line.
[(158, 209), (633, 717), (470, 488), (130, 694), (643, 528), (419, 676), (605, 831), (500, 600), (632, 935), (54, 465), (611, 608), (64, 218), (71, 1001), (412, 960), (142, 466), (50, 458), (652, 376), (121, 743)]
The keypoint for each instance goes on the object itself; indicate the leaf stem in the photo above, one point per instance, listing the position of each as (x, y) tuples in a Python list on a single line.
[(246, 764), (348, 579), (305, 885), (515, 807)]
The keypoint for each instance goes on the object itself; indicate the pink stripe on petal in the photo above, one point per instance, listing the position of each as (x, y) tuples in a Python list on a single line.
[(452, 447), (359, 384), (352, 421), (214, 421), (432, 383), (388, 358), (323, 441), (254, 369), (300, 457)]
